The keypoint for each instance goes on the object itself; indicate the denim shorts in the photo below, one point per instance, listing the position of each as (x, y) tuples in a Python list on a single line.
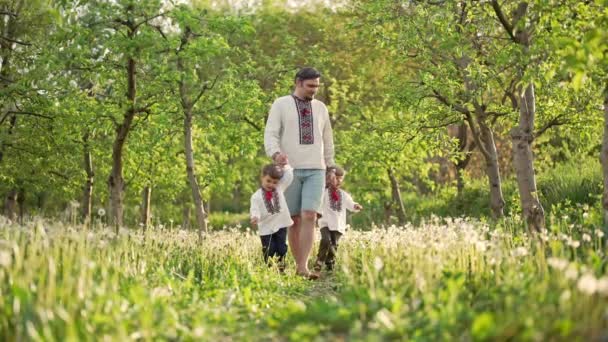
[(305, 191)]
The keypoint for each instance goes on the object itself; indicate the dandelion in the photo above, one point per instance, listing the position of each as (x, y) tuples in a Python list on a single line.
[(587, 284), (378, 264), (481, 246), (602, 286), (5, 259), (557, 263), (599, 233), (565, 296), (574, 243), (101, 212), (160, 292), (571, 272), (520, 251), (384, 317), (586, 237)]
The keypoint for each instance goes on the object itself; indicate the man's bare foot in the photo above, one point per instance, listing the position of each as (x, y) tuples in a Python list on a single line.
[(308, 275)]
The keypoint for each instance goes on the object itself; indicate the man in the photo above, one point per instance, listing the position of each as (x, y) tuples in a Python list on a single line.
[(299, 130)]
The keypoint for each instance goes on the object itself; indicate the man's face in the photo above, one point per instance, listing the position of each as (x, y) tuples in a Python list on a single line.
[(269, 183), (308, 87)]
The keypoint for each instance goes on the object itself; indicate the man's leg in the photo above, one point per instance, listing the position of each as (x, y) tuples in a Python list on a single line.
[(307, 236), (293, 196), (293, 236), (313, 184)]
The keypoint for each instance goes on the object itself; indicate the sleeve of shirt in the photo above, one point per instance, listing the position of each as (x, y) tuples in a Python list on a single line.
[(349, 202), (286, 179), (272, 132), (254, 210), (328, 142)]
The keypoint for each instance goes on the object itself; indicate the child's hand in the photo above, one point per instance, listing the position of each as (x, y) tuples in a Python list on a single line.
[(358, 207), (254, 221)]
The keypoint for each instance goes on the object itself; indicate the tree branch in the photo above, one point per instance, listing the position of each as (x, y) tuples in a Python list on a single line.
[(503, 20), (446, 102), (24, 113), (10, 14), (204, 89), (253, 124), (556, 121), (146, 20), (15, 41)]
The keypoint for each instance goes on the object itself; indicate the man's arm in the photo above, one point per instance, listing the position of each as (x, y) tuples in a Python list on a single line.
[(328, 143), (272, 132)]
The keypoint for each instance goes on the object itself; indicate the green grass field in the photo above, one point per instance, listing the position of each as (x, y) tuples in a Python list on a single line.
[(442, 280)]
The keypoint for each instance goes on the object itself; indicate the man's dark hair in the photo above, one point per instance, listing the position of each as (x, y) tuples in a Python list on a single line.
[(272, 171), (307, 74)]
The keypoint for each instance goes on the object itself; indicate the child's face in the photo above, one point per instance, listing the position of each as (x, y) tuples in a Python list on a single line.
[(269, 183), (337, 181)]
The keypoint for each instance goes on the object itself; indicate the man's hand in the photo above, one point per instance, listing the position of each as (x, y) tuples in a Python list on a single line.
[(254, 221), (358, 207), (280, 158)]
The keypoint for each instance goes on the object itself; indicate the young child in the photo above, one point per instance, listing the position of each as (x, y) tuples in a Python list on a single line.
[(270, 213), (333, 220)]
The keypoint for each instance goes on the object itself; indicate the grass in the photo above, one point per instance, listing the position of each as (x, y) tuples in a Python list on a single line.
[(561, 186), (451, 279)]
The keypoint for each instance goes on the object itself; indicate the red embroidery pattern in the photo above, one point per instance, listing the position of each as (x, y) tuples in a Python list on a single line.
[(335, 199), (271, 201), (305, 118)]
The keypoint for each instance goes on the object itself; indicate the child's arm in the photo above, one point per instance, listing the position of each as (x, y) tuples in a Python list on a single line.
[(350, 203), (286, 179), (254, 212)]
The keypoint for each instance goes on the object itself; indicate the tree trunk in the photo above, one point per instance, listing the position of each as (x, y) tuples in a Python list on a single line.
[(522, 136), (87, 197), (497, 202), (41, 202), (484, 138), (10, 205), (523, 162), (186, 213), (604, 160), (187, 105), (465, 148), (388, 211), (397, 196), (116, 181), (145, 207), (21, 205), (199, 209), (6, 51)]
